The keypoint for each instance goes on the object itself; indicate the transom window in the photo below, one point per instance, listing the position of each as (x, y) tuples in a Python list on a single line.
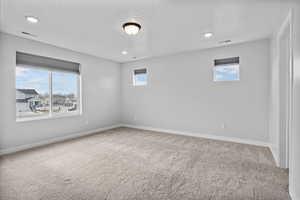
[(227, 69), (140, 77), (46, 87)]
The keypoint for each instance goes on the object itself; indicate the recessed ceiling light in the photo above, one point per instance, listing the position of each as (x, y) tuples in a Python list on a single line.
[(208, 35), (131, 28), (32, 19), (124, 52)]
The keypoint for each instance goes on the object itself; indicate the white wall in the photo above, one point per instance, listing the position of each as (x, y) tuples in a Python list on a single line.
[(275, 86), (274, 97), (181, 95), (294, 170), (295, 145), (100, 91)]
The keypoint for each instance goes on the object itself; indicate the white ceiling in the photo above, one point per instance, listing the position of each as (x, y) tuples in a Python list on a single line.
[(168, 26)]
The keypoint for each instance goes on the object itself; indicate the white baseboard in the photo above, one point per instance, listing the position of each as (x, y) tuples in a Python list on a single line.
[(208, 136), (55, 140)]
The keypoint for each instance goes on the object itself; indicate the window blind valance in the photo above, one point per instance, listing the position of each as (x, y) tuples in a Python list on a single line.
[(140, 71), (227, 61), (30, 60)]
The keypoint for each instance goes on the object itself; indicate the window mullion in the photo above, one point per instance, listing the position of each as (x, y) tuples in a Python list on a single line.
[(79, 97), (50, 93)]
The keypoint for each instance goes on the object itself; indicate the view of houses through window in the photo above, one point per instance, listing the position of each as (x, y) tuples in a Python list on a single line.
[(64, 92), (34, 97)]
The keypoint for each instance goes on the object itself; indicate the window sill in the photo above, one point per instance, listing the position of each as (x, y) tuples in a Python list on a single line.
[(58, 116), (236, 80), (142, 85)]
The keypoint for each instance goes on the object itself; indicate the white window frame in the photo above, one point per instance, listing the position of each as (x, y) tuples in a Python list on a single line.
[(133, 77), (51, 115)]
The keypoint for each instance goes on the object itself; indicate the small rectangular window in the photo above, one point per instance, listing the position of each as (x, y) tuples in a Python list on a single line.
[(46, 87), (140, 77), (227, 69)]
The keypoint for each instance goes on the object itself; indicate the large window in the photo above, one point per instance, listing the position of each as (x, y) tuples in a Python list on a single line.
[(46, 87), (140, 77), (227, 69)]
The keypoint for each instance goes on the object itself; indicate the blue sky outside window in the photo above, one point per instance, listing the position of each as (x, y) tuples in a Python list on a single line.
[(29, 78), (229, 72), (64, 83), (38, 79)]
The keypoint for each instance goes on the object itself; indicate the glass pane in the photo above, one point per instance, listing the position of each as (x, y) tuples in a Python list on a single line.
[(227, 73), (65, 93), (32, 92), (140, 79)]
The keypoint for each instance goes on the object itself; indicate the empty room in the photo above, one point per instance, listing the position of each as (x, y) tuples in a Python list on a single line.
[(149, 100)]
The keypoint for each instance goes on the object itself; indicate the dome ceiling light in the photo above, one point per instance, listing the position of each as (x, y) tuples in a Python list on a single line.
[(131, 28)]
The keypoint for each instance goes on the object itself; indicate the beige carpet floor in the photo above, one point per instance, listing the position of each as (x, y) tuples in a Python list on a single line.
[(133, 164)]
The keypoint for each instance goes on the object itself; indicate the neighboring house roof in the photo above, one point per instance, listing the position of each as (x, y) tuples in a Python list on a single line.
[(28, 91), (26, 100), (23, 100)]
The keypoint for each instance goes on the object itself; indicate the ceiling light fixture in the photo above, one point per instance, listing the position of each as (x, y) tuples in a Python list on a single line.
[(32, 19), (131, 28), (208, 35), (124, 52)]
